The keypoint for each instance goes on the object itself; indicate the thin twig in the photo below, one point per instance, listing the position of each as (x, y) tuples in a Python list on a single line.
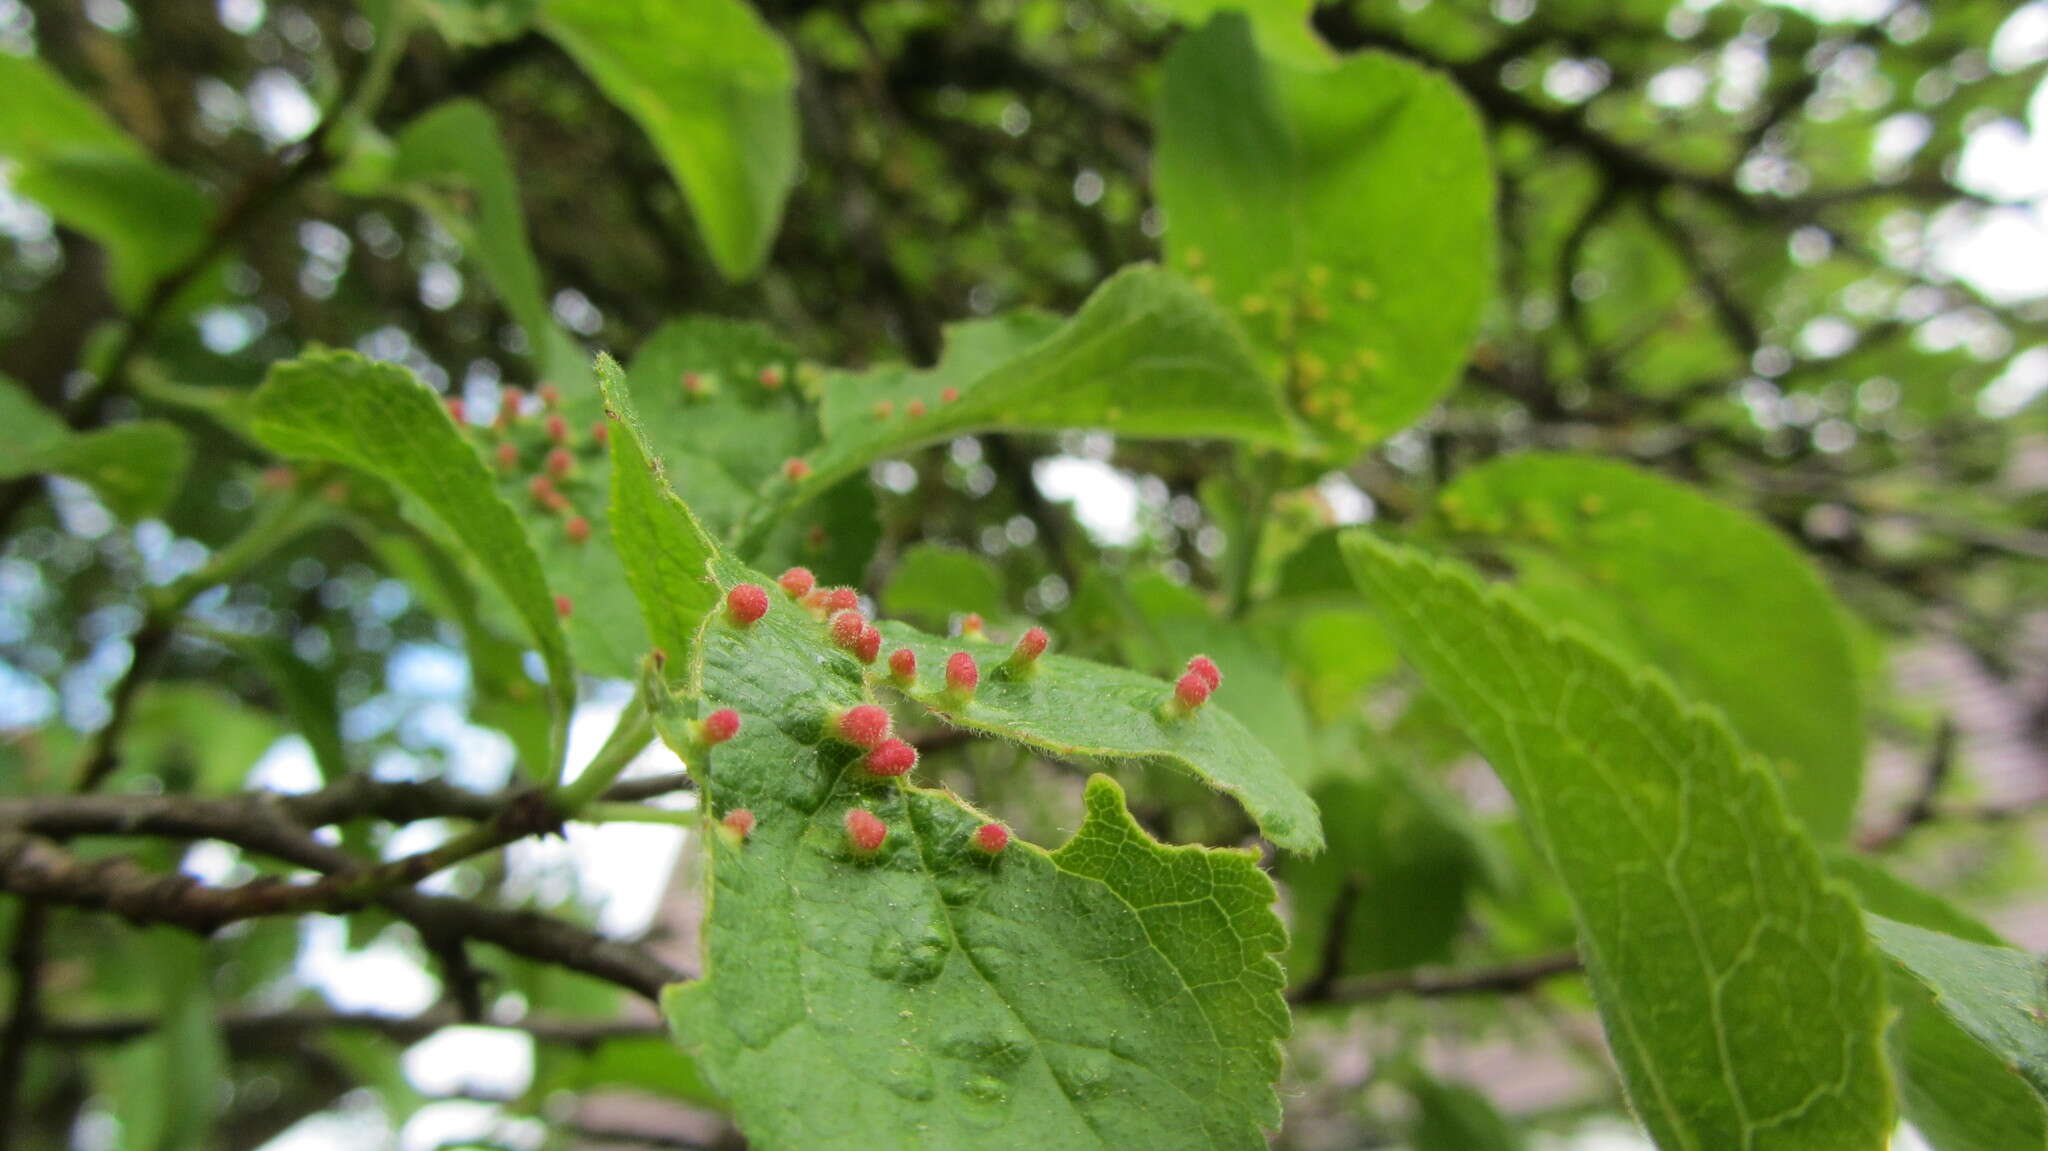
[(1432, 982)]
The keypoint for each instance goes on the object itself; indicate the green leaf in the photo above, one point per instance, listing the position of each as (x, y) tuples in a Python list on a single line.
[(1280, 25), (1995, 994), (1739, 994), (1294, 193), (932, 582), (165, 1086), (69, 157), (1145, 357), (195, 736), (715, 89), (1403, 855), (452, 160), (1960, 1094), (1454, 1117), (1731, 610), (135, 469), (1077, 709), (666, 553), (1114, 993), (376, 417)]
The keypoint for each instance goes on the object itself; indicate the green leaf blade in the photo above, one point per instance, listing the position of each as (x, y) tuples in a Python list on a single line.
[(1146, 357), (1738, 991), (666, 553), (1115, 993), (1995, 994), (1737, 616), (375, 417), (715, 89), (1289, 186)]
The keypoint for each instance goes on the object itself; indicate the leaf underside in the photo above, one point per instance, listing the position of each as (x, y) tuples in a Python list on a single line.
[(1739, 993)]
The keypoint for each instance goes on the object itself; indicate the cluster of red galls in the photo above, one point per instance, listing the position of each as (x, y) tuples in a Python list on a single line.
[(557, 464), (868, 726)]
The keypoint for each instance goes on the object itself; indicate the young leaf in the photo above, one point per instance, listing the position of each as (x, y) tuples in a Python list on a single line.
[(1994, 994), (1114, 993), (666, 553), (135, 469), (1078, 709), (1146, 357), (1290, 191), (1739, 994), (715, 89), (453, 162), (1729, 609), (376, 417)]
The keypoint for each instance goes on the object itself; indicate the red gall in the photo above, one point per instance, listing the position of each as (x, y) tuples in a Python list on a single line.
[(277, 478), (864, 831), (558, 429), (694, 384), (841, 599), (795, 470), (509, 404), (863, 725), (563, 606), (740, 821), (600, 434), (508, 456), (550, 396), (560, 463), (903, 665), (1030, 646), (746, 603), (869, 645), (884, 409), (970, 626), (456, 411), (914, 409), (720, 726), (1205, 667), (948, 395), (577, 529), (539, 487), (846, 627), (1191, 692), (991, 838), (771, 377), (798, 582), (962, 676), (893, 758)]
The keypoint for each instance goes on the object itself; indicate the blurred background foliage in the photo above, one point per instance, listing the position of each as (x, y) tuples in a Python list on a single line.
[(1790, 254)]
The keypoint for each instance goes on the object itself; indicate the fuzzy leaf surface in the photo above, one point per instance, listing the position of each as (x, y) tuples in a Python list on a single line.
[(1114, 993), (1074, 708)]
